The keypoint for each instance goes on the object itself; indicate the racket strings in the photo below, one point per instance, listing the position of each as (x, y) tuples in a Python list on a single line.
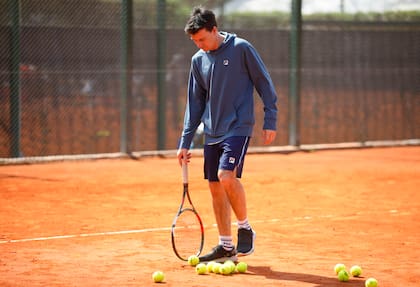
[(187, 234)]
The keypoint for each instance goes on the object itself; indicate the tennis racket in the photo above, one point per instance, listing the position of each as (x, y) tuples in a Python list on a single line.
[(187, 232)]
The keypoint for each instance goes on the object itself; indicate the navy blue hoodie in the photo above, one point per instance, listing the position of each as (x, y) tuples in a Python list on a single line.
[(220, 92)]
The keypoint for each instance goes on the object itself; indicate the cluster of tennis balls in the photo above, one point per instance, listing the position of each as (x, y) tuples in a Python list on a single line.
[(356, 271), (227, 268)]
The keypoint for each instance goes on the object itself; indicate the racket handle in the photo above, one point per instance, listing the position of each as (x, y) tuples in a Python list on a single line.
[(184, 172)]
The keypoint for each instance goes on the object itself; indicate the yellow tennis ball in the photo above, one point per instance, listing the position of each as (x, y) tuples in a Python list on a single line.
[(224, 269), (201, 268), (371, 282), (338, 267), (193, 260), (158, 276), (241, 267), (210, 266), (216, 267), (356, 271), (231, 265), (343, 276)]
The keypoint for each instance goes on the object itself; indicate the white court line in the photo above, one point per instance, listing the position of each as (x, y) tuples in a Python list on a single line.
[(158, 229), (86, 235)]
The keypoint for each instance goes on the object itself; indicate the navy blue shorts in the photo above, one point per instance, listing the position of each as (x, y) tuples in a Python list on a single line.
[(226, 155)]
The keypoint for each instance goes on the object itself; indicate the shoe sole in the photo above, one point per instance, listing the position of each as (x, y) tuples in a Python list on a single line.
[(222, 259), (254, 235)]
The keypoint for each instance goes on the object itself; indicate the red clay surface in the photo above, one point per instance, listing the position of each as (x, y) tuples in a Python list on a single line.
[(106, 222)]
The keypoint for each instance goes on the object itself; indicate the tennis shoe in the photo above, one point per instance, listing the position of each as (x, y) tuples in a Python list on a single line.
[(219, 254), (246, 238)]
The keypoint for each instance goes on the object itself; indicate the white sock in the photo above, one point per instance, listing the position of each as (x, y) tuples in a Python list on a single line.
[(244, 224), (226, 242)]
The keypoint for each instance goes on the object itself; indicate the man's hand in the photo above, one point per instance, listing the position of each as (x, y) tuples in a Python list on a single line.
[(268, 136), (183, 155)]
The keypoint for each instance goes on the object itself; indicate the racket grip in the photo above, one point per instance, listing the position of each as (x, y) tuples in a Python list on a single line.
[(184, 172)]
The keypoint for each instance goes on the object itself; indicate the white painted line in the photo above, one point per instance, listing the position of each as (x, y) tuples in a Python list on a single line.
[(86, 235)]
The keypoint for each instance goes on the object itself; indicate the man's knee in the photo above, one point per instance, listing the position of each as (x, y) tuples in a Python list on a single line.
[(226, 177)]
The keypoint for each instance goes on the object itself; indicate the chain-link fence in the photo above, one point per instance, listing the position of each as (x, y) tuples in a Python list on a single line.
[(80, 77), (67, 77), (360, 82)]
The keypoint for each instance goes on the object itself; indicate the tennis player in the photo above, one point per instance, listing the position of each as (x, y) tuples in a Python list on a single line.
[(222, 78)]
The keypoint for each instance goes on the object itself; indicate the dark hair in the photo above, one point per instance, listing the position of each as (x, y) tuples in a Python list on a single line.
[(200, 18)]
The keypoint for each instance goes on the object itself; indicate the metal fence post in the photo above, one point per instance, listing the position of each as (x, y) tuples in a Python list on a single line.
[(126, 69), (294, 73), (15, 101), (161, 73)]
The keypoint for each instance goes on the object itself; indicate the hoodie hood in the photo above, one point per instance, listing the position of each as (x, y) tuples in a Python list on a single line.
[(229, 37)]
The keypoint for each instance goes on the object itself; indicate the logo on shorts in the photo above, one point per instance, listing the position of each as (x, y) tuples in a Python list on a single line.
[(226, 62), (232, 160)]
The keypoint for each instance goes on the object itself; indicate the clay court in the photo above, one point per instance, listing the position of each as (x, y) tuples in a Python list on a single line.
[(107, 222)]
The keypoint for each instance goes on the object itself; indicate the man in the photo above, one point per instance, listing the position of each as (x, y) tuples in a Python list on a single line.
[(222, 78)]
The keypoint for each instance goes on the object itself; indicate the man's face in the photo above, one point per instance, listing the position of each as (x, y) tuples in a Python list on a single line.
[(206, 40)]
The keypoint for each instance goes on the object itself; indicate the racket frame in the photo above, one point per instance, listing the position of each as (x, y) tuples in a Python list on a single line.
[(181, 209)]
